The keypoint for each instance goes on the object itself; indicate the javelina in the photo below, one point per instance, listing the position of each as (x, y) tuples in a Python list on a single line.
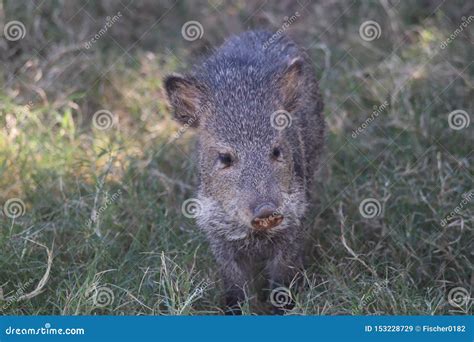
[(258, 114)]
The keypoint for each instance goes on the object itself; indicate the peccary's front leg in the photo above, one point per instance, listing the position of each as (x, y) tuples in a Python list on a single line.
[(235, 277), (235, 282), (282, 270)]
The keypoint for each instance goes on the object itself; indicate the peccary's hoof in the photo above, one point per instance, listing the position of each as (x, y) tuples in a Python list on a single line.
[(232, 307), (233, 311)]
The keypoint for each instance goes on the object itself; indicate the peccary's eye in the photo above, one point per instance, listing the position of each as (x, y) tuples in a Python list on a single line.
[(225, 159), (276, 153)]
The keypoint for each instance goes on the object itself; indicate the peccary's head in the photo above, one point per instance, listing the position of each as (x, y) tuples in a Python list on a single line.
[(250, 166)]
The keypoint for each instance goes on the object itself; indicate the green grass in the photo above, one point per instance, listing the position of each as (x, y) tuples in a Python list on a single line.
[(151, 258)]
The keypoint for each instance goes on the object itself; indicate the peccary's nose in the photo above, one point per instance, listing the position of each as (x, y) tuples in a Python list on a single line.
[(266, 216)]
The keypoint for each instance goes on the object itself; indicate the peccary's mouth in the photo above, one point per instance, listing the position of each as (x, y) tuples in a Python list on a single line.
[(267, 222), (233, 225)]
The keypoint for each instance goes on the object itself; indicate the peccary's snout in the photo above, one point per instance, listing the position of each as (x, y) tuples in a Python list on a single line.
[(266, 216)]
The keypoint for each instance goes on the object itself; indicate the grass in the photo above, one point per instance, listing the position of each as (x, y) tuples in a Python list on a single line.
[(142, 256)]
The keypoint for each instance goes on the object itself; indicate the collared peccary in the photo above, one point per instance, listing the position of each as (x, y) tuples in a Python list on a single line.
[(258, 113)]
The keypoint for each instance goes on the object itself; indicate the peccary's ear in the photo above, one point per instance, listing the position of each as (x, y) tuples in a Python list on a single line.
[(290, 83), (186, 98)]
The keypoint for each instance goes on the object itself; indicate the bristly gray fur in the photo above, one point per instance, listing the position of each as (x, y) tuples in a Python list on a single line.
[(235, 91)]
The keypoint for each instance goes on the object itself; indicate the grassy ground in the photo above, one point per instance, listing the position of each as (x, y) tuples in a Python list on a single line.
[(142, 255)]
